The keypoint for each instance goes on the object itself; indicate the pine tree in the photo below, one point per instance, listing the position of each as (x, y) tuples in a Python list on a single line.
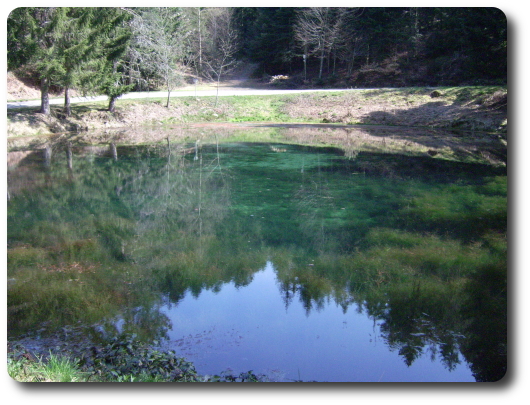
[(111, 35), (34, 37), (70, 47), (74, 50)]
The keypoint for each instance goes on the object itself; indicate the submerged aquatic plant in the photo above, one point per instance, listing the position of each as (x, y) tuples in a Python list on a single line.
[(390, 234)]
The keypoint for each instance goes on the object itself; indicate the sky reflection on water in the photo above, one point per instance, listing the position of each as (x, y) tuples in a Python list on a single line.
[(249, 328)]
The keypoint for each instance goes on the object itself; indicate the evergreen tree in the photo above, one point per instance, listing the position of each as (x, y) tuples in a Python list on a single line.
[(268, 35), (111, 35), (34, 39), (74, 50), (70, 47)]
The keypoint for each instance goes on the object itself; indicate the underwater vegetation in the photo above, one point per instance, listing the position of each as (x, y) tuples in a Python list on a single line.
[(419, 243)]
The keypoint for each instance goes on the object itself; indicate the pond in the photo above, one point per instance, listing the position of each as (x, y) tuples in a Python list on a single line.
[(313, 253)]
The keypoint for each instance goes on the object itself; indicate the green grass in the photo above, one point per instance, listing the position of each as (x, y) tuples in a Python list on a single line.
[(55, 369), (64, 369), (470, 93), (461, 94)]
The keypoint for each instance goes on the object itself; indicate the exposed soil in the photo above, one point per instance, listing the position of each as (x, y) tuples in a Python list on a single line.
[(21, 88)]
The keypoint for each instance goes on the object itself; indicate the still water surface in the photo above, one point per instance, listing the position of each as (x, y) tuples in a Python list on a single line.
[(251, 329), (342, 263)]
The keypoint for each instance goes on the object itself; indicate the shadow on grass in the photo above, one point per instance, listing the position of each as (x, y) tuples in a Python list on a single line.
[(475, 109)]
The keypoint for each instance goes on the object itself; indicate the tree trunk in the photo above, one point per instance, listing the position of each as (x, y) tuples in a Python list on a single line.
[(351, 62), (114, 151), (305, 61), (67, 106), (112, 104), (168, 95), (199, 73), (44, 96), (69, 155), (321, 64), (218, 80)]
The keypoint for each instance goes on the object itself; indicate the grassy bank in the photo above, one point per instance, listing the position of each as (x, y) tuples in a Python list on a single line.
[(469, 108)]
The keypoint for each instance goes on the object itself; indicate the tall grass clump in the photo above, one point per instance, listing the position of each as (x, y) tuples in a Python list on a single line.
[(54, 369), (56, 296), (24, 256)]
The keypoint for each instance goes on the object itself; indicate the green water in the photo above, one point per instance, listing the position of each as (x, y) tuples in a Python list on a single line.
[(123, 239)]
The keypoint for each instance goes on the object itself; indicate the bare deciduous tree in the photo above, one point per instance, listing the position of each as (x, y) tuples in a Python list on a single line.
[(197, 17), (320, 31), (223, 44), (159, 45), (352, 41)]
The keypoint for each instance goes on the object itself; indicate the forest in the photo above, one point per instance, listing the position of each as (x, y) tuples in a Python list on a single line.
[(113, 51)]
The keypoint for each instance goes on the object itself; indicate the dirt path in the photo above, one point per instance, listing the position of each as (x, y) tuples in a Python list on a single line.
[(242, 77)]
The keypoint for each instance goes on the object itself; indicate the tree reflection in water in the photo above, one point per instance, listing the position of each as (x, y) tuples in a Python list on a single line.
[(383, 233)]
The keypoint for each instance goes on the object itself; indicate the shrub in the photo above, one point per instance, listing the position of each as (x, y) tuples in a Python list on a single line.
[(435, 94)]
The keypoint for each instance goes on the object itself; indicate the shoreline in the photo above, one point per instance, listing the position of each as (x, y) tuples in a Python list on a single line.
[(478, 109)]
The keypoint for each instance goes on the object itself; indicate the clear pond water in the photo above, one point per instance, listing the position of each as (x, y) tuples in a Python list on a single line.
[(341, 263)]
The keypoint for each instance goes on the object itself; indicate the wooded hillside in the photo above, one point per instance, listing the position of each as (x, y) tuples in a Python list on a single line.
[(113, 50), (379, 46)]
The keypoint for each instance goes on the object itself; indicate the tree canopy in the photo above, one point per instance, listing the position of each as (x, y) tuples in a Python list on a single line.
[(112, 50)]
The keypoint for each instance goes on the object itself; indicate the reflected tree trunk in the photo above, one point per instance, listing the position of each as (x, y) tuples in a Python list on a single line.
[(218, 156), (114, 151), (47, 165), (69, 155), (200, 199), (69, 161), (47, 156), (196, 150)]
